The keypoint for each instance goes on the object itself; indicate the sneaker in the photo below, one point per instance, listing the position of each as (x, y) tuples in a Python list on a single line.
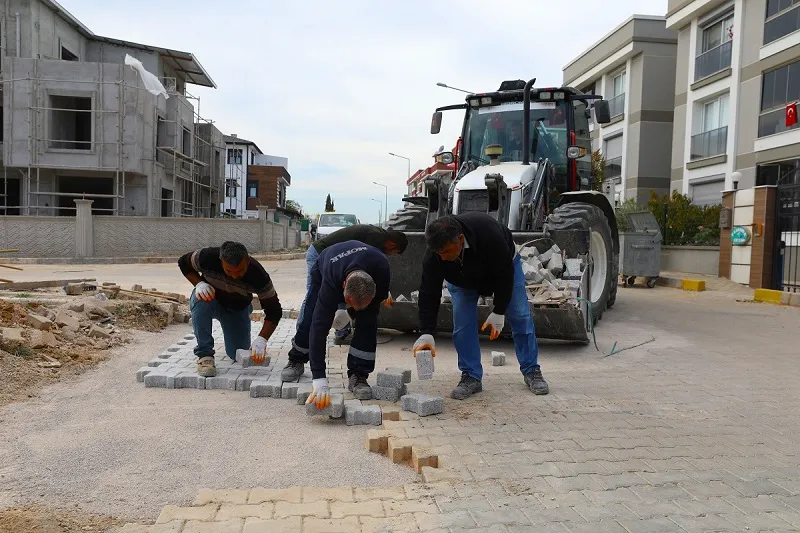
[(466, 387), (206, 367), (359, 387), (293, 371), (535, 381)]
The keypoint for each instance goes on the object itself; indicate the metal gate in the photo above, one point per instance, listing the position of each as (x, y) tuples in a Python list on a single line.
[(787, 236)]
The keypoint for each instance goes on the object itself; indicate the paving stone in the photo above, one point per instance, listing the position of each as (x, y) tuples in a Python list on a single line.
[(498, 358), (390, 379), (364, 415), (303, 392), (190, 380), (39, 322), (160, 379), (318, 509), (233, 525), (386, 394), (260, 494), (42, 339), (422, 404), (173, 512), (235, 496), (289, 391), (334, 410), (292, 524), (142, 372), (222, 382), (228, 511), (405, 372), (244, 381), (260, 389), (425, 364), (274, 386), (331, 525)]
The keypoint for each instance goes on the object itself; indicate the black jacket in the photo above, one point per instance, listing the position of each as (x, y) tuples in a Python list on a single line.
[(372, 235), (488, 267)]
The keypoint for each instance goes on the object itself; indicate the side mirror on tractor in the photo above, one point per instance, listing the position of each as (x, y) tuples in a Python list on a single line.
[(436, 123), (602, 113)]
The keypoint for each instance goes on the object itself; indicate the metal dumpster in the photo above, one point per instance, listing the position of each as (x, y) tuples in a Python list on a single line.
[(640, 249)]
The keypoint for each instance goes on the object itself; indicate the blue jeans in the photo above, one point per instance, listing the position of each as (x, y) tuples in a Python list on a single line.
[(235, 326), (518, 316), (311, 259)]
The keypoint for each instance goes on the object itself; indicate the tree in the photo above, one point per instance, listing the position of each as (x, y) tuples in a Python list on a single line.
[(294, 206), (328, 204), (598, 171)]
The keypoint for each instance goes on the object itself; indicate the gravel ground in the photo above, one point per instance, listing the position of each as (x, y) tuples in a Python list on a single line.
[(111, 446)]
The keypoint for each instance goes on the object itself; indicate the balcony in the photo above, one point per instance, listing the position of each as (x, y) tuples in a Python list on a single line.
[(709, 143), (772, 122), (613, 168), (616, 105), (713, 61), (782, 25)]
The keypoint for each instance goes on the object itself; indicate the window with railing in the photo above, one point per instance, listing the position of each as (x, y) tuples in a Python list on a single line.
[(616, 105), (713, 137), (613, 154), (613, 167), (782, 18), (779, 87), (712, 61)]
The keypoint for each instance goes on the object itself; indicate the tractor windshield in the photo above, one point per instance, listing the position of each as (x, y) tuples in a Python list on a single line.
[(502, 125)]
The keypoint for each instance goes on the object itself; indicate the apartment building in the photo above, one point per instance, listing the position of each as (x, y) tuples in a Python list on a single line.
[(253, 178), (633, 67), (79, 123), (738, 70)]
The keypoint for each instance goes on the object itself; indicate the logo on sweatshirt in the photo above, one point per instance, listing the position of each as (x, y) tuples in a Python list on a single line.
[(348, 252)]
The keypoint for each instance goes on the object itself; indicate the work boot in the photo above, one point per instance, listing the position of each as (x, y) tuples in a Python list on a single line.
[(359, 387), (466, 387), (292, 371), (535, 381), (206, 367)]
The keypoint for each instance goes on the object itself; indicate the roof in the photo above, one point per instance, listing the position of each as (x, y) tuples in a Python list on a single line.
[(230, 139), (184, 62), (612, 32)]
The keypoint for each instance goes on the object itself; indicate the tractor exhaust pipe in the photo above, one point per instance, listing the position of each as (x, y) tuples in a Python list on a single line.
[(526, 122)]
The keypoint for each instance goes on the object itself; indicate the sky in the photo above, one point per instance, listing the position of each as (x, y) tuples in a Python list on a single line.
[(337, 86)]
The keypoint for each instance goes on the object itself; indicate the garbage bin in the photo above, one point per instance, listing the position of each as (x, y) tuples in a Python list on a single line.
[(640, 249)]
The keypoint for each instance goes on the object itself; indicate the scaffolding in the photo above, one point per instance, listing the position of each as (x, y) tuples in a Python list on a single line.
[(183, 171)]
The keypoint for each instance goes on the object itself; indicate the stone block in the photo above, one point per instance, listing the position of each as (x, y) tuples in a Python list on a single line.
[(406, 373), (168, 309), (160, 379), (77, 307), (572, 268), (362, 415), (556, 264), (244, 381), (390, 379), (13, 335), (260, 389), (39, 322), (156, 362), (223, 382), (386, 394), (377, 440), (142, 372), (425, 364), (289, 391), (274, 386), (498, 358), (422, 404), (303, 392), (75, 289), (421, 457), (66, 320), (43, 339), (99, 333), (334, 410), (190, 380)]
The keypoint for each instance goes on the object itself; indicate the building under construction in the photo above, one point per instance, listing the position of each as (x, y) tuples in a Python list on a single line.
[(79, 123)]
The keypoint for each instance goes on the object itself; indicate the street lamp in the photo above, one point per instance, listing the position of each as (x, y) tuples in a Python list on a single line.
[(381, 209), (440, 84), (407, 159), (387, 198)]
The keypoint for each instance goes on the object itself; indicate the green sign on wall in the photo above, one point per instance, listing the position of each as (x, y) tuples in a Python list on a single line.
[(740, 235)]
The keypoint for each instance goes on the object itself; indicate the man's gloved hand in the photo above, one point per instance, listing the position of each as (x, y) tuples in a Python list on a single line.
[(495, 323), (320, 393), (204, 291), (258, 350), (425, 342), (341, 319), (388, 301)]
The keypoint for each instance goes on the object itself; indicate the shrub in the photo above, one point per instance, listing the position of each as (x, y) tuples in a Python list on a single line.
[(686, 223)]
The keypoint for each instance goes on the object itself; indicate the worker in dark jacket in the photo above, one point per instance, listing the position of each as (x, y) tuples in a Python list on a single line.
[(477, 257), (392, 242), (225, 280), (356, 275)]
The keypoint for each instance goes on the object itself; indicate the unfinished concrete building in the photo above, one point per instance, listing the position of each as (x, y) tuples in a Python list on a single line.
[(79, 123)]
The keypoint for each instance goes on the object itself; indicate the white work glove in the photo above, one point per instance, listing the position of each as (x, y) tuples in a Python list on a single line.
[(258, 350), (341, 319), (495, 324), (204, 291), (425, 342), (320, 393)]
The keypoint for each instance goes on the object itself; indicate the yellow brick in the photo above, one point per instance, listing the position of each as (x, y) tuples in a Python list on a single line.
[(285, 525), (398, 524), (390, 413), (768, 296), (260, 495), (173, 512), (380, 493), (315, 494), (337, 525), (390, 425), (230, 526), (433, 475), (697, 285), (365, 508), (230, 510), (376, 440), (205, 496), (317, 509), (422, 457), (399, 450), (398, 507)]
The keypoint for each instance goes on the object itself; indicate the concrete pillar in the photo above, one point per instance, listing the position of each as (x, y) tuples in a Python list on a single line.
[(84, 229), (763, 240), (725, 246), (266, 228)]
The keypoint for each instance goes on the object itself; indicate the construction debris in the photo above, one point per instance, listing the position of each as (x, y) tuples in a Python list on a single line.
[(551, 278)]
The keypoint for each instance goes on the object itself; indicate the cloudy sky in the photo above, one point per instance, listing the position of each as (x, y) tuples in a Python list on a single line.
[(336, 86)]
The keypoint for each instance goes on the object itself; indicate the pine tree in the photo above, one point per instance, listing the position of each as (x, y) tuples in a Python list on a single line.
[(328, 204)]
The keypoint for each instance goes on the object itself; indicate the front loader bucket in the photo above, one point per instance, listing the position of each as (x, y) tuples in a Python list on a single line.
[(563, 322)]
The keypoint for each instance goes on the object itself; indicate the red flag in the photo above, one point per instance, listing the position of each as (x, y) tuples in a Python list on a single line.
[(791, 114)]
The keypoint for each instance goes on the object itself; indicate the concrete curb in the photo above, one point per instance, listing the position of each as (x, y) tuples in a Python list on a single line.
[(127, 260), (695, 285), (770, 296)]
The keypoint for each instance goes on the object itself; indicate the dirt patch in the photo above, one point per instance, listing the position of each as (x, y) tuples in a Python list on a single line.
[(44, 520), (141, 316)]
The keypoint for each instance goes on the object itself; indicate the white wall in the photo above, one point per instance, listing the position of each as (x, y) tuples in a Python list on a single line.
[(238, 173)]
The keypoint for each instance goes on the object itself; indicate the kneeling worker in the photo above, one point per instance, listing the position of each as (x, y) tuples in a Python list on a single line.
[(477, 257), (225, 280), (350, 273)]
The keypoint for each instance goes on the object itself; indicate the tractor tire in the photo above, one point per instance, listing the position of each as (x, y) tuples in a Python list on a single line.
[(612, 295), (583, 216), (411, 218)]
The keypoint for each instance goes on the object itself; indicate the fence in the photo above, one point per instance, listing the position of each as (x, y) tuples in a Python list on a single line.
[(86, 236)]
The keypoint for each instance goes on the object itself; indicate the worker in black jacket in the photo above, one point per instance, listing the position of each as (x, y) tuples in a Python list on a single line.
[(477, 257), (351, 273)]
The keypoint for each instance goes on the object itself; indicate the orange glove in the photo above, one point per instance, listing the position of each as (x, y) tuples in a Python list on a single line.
[(388, 301), (425, 342), (495, 323)]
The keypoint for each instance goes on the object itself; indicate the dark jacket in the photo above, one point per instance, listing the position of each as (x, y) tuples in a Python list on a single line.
[(488, 268), (365, 233)]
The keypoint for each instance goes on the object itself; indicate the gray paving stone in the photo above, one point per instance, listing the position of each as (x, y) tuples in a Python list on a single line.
[(422, 404), (244, 381), (190, 380), (390, 379), (160, 379), (386, 394), (274, 386), (405, 372), (142, 372), (356, 414), (165, 355), (498, 358), (260, 389), (156, 362), (289, 391), (334, 410), (223, 382), (425, 364), (303, 392)]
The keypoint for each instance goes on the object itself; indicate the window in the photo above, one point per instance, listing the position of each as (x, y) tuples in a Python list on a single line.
[(613, 155), (70, 123), (707, 191), (252, 158), (230, 188), (234, 156), (779, 87), (252, 189), (584, 140), (716, 45), (616, 103), (713, 137), (783, 18), (66, 55)]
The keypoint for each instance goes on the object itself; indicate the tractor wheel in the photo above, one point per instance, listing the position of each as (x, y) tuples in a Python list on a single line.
[(411, 218), (604, 273), (612, 295)]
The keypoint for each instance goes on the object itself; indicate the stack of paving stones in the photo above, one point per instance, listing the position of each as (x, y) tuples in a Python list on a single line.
[(391, 384)]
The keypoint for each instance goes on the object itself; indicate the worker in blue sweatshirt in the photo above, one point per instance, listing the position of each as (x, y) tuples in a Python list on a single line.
[(349, 272)]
